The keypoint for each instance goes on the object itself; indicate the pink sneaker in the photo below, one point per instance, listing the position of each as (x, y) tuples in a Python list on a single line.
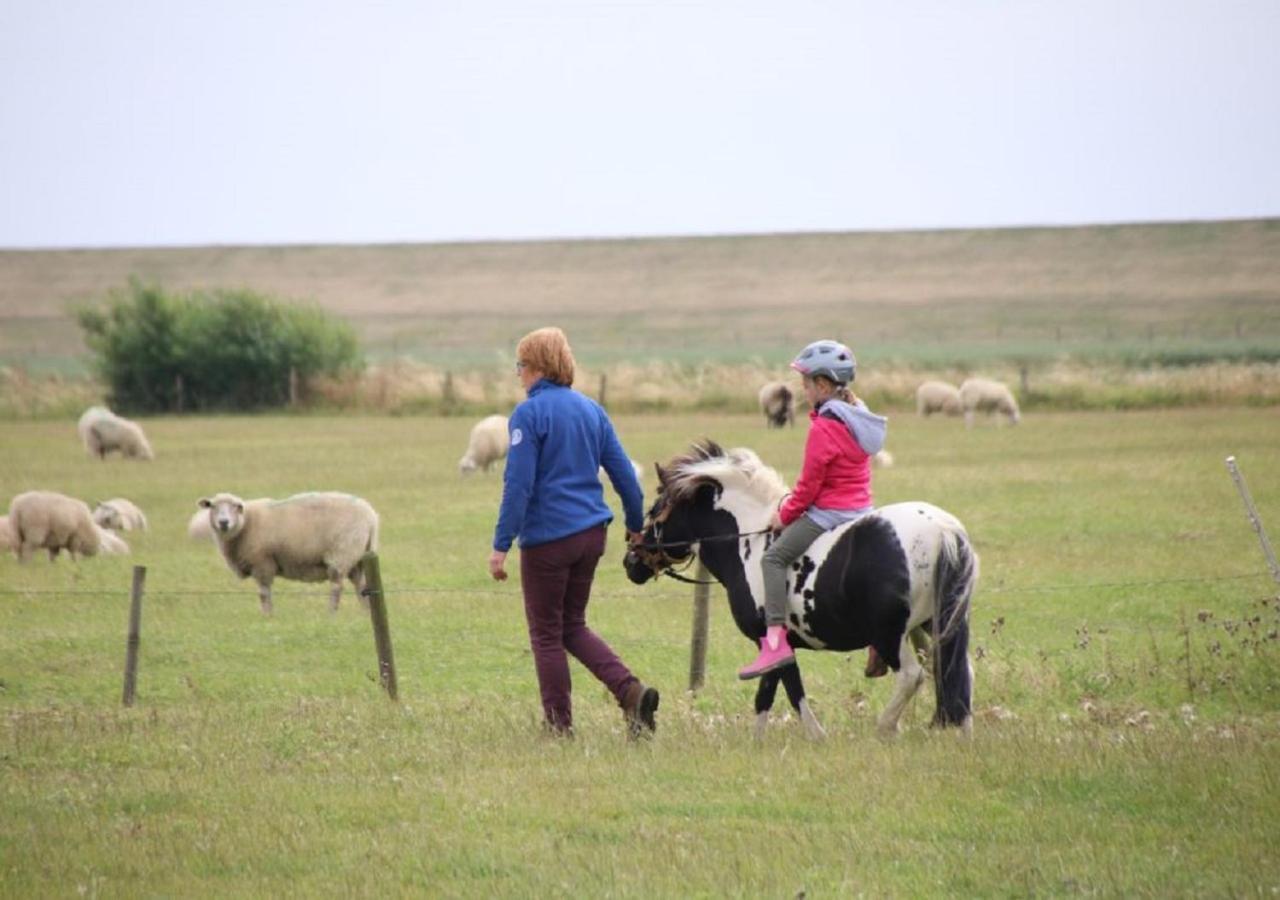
[(775, 652)]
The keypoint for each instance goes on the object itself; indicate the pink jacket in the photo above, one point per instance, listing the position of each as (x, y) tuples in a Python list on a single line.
[(836, 472)]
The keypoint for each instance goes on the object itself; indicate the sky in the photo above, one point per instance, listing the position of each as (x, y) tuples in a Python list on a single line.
[(167, 123)]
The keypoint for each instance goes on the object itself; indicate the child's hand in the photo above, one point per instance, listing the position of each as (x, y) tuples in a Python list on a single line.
[(775, 522)]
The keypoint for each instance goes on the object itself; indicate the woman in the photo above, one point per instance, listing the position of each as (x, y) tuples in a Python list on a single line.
[(552, 501)]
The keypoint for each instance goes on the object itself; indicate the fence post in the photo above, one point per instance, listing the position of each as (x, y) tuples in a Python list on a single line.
[(293, 386), (381, 630), (178, 389), (135, 629), (701, 621), (1254, 520), (604, 381)]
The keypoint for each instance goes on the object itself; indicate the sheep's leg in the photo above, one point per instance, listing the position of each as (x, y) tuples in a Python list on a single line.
[(794, 685), (910, 675), (335, 590), (264, 595), (765, 694), (358, 582)]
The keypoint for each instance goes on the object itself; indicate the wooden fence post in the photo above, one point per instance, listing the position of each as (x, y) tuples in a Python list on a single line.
[(701, 621), (135, 629), (604, 382), (1252, 512), (293, 386), (381, 630)]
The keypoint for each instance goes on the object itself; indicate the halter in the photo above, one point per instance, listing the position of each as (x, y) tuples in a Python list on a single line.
[(654, 553)]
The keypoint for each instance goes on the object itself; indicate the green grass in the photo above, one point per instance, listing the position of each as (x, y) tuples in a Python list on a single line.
[(1125, 653)]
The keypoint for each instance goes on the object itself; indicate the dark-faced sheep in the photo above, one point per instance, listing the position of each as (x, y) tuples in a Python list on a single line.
[(119, 514), (938, 397), (488, 444), (777, 402), (986, 395), (307, 537), (103, 432), (55, 522)]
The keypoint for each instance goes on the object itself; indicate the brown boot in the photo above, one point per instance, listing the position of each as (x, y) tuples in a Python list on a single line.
[(639, 703), (876, 667)]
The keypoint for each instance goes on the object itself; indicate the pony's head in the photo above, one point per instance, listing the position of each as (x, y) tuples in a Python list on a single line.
[(692, 489)]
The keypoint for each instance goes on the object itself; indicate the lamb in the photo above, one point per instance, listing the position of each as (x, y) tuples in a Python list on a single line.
[(119, 514), (56, 522), (988, 396), (307, 537), (488, 444), (938, 397), (778, 405), (102, 431)]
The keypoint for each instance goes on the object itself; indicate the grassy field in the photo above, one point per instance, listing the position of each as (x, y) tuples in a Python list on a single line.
[(1127, 739)]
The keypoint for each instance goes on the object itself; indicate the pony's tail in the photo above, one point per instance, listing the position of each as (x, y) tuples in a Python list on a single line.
[(954, 580)]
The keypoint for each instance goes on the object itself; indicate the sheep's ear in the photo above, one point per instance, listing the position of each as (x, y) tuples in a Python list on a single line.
[(204, 503), (662, 473), (240, 507)]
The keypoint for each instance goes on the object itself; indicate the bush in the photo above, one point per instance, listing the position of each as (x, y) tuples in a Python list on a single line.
[(220, 350)]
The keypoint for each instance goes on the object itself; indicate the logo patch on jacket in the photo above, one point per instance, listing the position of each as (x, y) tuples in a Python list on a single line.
[(516, 436)]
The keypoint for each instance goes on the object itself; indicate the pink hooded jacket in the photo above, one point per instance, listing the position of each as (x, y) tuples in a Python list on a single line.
[(836, 472)]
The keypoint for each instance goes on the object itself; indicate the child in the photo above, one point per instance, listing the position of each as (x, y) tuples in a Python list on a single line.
[(834, 488)]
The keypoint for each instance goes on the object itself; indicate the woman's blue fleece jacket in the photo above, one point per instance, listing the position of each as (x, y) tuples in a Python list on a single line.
[(551, 487)]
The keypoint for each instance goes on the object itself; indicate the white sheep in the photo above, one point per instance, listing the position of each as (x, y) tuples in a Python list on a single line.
[(883, 458), (778, 405), (119, 514), (985, 395), (488, 444), (938, 397), (307, 537), (6, 535), (56, 522), (102, 431)]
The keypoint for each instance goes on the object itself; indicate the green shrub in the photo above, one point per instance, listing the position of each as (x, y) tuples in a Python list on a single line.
[(219, 350)]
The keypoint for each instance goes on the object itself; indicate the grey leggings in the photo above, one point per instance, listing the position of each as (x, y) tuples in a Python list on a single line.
[(793, 541)]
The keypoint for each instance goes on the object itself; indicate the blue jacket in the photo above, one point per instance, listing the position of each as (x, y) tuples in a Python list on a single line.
[(551, 486)]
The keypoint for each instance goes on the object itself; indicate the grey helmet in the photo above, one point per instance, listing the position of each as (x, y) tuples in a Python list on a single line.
[(831, 359)]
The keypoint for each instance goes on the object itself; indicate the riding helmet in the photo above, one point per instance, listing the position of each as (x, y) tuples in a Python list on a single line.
[(831, 359)]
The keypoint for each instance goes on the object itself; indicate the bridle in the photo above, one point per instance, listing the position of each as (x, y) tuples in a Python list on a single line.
[(653, 554)]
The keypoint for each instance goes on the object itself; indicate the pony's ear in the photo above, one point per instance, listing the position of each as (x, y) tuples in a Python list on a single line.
[(662, 473)]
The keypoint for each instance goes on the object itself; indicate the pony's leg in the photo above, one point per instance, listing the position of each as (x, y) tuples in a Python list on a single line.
[(792, 681), (910, 675), (765, 693)]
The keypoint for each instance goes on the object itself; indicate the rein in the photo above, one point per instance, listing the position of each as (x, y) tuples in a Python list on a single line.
[(668, 565)]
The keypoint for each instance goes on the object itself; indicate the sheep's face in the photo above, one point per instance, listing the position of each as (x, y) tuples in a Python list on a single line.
[(106, 516), (467, 465), (226, 514)]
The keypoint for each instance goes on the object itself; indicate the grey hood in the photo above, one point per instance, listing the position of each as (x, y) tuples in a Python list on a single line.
[(868, 429)]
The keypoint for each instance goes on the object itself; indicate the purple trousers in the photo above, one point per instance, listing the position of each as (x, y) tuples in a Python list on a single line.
[(556, 578)]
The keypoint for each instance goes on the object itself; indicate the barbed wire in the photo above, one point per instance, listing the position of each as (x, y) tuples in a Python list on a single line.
[(422, 589)]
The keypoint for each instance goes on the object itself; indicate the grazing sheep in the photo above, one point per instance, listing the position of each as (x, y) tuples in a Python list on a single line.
[(56, 522), (102, 431), (488, 444), (938, 397), (6, 535), (778, 405), (983, 394), (119, 514), (307, 537), (883, 458)]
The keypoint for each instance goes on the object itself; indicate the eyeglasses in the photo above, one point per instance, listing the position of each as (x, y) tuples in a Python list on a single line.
[(520, 366)]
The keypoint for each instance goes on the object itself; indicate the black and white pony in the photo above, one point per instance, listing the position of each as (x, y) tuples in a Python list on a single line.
[(899, 579)]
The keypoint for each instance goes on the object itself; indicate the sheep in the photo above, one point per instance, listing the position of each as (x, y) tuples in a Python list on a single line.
[(119, 514), (488, 444), (988, 396), (883, 458), (56, 522), (778, 405), (307, 537), (6, 535), (938, 397), (102, 431)]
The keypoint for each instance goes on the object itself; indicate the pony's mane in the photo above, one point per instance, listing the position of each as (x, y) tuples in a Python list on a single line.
[(737, 468)]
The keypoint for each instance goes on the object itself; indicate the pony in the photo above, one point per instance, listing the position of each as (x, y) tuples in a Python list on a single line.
[(900, 578)]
